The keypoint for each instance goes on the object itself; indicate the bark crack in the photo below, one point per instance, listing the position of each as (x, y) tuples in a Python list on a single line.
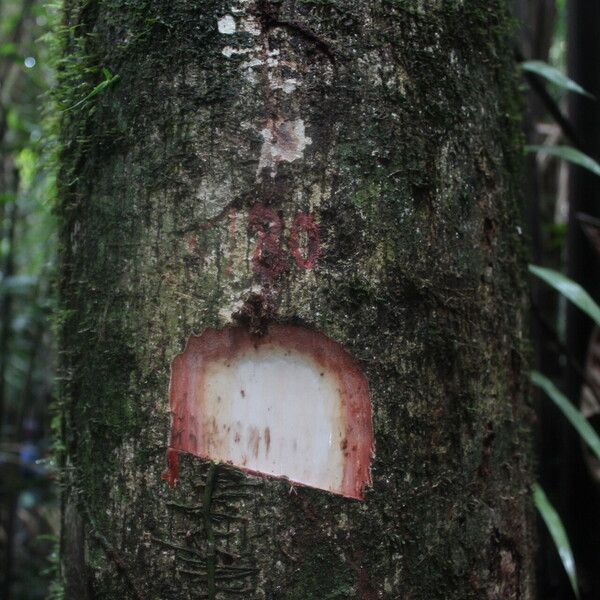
[(269, 16), (111, 553)]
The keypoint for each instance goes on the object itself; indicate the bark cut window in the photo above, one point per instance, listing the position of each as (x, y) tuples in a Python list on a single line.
[(292, 403)]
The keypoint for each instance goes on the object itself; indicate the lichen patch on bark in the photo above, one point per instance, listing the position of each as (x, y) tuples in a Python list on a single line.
[(226, 25), (282, 141)]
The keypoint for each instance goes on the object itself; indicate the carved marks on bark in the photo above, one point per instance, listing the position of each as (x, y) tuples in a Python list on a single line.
[(215, 553)]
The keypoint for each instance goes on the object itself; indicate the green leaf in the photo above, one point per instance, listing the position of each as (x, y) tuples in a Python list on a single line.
[(9, 49), (554, 76), (7, 197), (568, 153), (557, 531), (109, 80), (585, 430), (570, 290)]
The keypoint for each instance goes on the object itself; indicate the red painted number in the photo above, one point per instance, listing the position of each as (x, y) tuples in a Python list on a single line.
[(305, 223), (269, 256)]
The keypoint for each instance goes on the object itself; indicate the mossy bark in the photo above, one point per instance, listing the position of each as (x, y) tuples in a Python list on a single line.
[(394, 125)]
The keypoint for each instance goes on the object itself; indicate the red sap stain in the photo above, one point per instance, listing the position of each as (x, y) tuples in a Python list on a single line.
[(306, 223), (171, 473), (188, 405), (254, 441)]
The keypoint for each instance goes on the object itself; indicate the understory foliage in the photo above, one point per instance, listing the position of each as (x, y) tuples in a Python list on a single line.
[(28, 500)]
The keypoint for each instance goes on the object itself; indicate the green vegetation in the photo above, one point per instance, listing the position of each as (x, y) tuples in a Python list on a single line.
[(28, 504)]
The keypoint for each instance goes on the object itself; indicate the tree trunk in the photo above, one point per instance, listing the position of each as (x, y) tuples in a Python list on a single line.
[(343, 168)]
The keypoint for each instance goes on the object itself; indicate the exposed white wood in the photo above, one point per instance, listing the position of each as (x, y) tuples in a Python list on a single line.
[(277, 412)]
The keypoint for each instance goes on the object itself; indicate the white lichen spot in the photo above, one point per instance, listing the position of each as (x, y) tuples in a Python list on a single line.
[(226, 312), (214, 192), (282, 141), (251, 25), (253, 62), (226, 25), (236, 303), (228, 51), (248, 68), (251, 77), (287, 85)]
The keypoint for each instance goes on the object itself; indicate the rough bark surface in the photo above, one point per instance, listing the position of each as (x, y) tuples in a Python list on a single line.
[(391, 125)]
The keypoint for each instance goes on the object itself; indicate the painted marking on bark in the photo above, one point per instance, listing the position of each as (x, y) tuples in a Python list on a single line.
[(305, 223), (290, 404), (269, 257)]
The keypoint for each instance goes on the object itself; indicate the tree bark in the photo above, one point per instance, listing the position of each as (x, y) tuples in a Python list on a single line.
[(393, 129)]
